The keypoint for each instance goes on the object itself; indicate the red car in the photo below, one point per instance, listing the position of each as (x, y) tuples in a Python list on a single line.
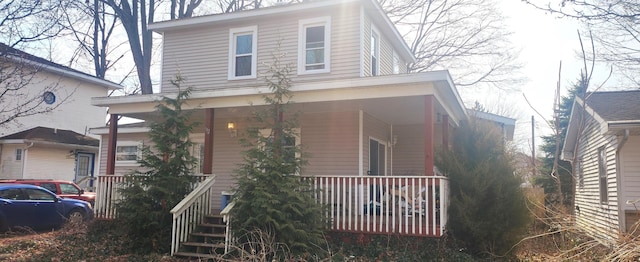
[(64, 189)]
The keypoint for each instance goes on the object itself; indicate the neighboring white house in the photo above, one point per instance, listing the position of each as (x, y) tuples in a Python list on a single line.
[(56, 144), (603, 144)]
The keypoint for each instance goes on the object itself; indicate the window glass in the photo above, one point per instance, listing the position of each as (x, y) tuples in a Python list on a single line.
[(126, 153), (36, 194), (49, 186), (12, 194), (18, 154), (69, 189), (314, 48), (243, 55), (602, 170)]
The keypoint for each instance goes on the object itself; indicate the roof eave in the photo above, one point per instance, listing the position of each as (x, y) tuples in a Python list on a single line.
[(94, 80)]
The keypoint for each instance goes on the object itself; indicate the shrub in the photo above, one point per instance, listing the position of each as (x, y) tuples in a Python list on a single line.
[(487, 212)]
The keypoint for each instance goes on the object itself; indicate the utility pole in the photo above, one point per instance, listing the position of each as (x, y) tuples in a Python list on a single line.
[(533, 145)]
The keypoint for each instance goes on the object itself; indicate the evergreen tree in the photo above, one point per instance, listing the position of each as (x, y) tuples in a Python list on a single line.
[(565, 194), (487, 212), (164, 179), (270, 197)]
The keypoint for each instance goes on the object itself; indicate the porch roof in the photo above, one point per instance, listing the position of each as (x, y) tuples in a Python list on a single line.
[(402, 91)]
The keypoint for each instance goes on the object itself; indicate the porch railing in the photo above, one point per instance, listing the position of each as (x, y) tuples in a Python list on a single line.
[(108, 193), (190, 212), (404, 205)]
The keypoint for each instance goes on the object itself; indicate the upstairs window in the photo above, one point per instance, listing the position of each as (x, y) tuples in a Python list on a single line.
[(314, 47), (375, 52), (242, 52)]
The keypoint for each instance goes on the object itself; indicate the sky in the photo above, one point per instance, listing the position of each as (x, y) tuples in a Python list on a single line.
[(545, 41)]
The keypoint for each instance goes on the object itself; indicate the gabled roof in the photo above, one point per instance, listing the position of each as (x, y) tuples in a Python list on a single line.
[(614, 111), (616, 105), (50, 135), (372, 6), (23, 57)]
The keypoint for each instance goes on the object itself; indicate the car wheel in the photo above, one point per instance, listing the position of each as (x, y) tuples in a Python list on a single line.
[(76, 217)]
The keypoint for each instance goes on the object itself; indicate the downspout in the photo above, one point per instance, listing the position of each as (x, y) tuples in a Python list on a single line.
[(24, 158), (622, 220)]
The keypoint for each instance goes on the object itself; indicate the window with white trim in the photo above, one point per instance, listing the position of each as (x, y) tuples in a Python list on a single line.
[(314, 45), (128, 152), (375, 52), (242, 52)]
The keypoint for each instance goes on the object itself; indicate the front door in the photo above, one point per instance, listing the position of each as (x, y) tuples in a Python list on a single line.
[(84, 169)]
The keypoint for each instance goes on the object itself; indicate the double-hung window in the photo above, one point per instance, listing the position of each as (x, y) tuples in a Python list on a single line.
[(314, 45), (375, 52), (242, 52)]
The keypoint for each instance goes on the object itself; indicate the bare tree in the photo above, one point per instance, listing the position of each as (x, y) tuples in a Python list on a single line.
[(614, 25), (468, 37), (22, 90), (29, 21)]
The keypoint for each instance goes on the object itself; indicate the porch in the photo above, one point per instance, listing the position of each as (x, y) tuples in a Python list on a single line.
[(397, 205)]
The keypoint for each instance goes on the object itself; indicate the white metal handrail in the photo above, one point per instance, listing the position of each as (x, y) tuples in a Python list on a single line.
[(190, 212)]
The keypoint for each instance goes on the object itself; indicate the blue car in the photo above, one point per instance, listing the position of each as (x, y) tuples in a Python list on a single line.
[(23, 205)]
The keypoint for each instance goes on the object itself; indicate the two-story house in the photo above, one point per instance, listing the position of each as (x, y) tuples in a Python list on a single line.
[(368, 126), (56, 144)]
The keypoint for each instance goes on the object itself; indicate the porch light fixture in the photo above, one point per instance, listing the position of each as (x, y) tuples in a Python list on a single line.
[(231, 127)]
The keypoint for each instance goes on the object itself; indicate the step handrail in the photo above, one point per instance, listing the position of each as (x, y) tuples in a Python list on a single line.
[(190, 212), (226, 218)]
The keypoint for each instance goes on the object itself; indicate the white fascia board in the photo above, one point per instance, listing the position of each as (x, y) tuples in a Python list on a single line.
[(437, 83), (433, 76), (87, 78), (12, 141), (226, 17)]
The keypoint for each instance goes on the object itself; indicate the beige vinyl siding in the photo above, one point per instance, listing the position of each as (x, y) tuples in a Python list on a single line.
[(10, 168), (49, 163), (201, 54), (408, 153), (386, 52), (331, 141), (630, 172), (366, 42), (599, 219), (378, 130), (386, 56)]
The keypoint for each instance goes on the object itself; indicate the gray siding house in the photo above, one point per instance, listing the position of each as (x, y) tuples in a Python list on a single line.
[(603, 144)]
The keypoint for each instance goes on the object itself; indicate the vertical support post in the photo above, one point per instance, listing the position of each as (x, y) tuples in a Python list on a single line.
[(428, 135), (111, 146), (207, 165), (445, 131)]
